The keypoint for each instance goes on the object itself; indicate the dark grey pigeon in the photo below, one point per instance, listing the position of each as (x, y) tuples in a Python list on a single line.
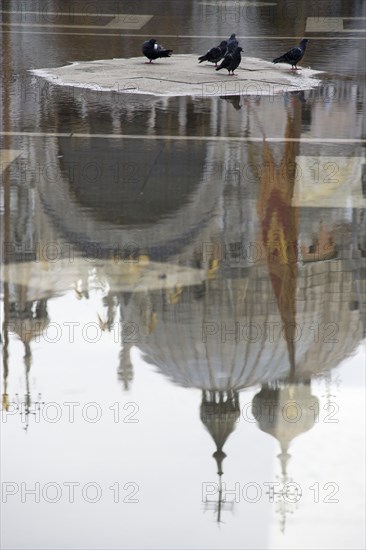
[(232, 43), (293, 56), (231, 61), (152, 50), (214, 55)]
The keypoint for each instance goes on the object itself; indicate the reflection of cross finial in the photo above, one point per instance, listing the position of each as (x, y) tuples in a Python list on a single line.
[(219, 505), (328, 380), (25, 405), (284, 497), (284, 507)]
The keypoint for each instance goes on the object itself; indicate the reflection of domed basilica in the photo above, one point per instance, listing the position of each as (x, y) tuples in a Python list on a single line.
[(280, 296)]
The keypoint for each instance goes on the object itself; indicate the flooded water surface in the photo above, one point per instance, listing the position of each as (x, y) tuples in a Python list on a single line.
[(183, 281)]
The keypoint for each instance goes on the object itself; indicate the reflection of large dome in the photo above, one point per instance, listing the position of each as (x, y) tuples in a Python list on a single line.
[(111, 214), (193, 340), (128, 184)]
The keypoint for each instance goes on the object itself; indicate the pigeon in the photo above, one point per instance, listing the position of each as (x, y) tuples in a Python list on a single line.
[(232, 43), (231, 61), (293, 56), (214, 55), (152, 50)]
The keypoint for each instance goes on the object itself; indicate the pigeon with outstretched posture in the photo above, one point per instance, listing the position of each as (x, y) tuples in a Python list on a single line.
[(152, 50), (214, 55), (293, 56), (231, 61), (232, 43)]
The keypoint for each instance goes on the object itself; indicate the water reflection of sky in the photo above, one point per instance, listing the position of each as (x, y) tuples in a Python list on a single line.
[(168, 454)]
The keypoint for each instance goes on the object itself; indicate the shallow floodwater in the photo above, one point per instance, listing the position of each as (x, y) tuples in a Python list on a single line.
[(183, 286)]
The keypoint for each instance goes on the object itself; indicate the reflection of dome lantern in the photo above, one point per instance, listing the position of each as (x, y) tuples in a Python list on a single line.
[(219, 411), (285, 412)]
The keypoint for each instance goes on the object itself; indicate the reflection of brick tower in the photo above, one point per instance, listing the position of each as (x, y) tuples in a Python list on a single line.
[(285, 411), (219, 411)]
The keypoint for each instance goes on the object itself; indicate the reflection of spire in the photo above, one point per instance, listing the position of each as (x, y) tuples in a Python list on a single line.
[(125, 369), (5, 396), (109, 301), (219, 412), (106, 321), (28, 321), (284, 457), (5, 330), (285, 411), (27, 397)]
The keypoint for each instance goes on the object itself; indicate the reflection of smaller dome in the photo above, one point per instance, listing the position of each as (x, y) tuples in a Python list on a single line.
[(285, 412), (219, 411)]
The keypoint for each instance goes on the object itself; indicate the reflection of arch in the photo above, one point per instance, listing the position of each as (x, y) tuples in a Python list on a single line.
[(219, 411)]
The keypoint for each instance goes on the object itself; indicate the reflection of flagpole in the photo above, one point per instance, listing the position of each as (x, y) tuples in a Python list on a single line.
[(27, 364), (5, 398)]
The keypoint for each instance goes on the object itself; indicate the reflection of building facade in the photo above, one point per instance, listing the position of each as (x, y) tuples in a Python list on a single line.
[(281, 293), (204, 217)]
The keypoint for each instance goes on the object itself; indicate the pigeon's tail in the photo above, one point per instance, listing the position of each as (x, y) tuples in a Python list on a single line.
[(280, 59), (165, 53), (219, 68), (203, 58)]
